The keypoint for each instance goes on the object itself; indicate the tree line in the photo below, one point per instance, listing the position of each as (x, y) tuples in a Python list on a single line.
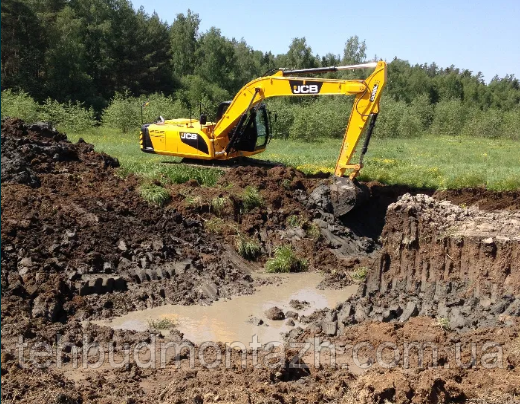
[(97, 52)]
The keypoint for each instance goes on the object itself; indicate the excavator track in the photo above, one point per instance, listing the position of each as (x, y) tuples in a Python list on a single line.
[(227, 165)]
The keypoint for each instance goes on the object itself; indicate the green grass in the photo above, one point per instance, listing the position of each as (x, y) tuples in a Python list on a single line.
[(154, 194), (294, 221), (312, 231), (215, 225), (218, 204), (251, 198), (125, 146), (286, 260), (359, 274), (247, 248), (163, 324), (444, 323), (439, 162)]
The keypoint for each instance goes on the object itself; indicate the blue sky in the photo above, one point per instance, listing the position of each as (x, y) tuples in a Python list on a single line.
[(476, 35)]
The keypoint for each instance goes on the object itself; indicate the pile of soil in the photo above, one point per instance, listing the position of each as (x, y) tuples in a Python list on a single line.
[(79, 243)]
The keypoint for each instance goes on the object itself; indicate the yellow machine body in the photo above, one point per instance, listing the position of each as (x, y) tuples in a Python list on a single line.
[(242, 129), (187, 138)]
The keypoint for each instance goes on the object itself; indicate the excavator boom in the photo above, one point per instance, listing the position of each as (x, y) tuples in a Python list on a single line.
[(287, 83)]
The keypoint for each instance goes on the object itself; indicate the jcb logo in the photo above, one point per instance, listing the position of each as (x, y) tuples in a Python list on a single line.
[(311, 89), (188, 136), (300, 87)]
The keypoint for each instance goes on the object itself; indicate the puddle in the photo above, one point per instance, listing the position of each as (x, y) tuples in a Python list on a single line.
[(227, 321)]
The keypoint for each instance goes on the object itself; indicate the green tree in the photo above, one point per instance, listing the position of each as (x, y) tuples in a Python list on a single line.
[(184, 34), (20, 105), (248, 64), (449, 118), (98, 38), (397, 82), (300, 55), (196, 90), (330, 59), (67, 64), (354, 51), (449, 86), (216, 59), (505, 92), (126, 47), (23, 48), (154, 55), (268, 62)]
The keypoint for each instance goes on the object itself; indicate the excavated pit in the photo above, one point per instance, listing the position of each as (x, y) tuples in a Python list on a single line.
[(79, 244), (449, 263)]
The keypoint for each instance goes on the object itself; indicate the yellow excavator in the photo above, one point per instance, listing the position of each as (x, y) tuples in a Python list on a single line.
[(242, 126)]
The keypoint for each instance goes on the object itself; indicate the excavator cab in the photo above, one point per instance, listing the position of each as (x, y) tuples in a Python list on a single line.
[(256, 132)]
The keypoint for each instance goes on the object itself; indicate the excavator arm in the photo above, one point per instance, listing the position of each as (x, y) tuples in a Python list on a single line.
[(288, 83)]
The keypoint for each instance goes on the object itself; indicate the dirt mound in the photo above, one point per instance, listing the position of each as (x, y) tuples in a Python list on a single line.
[(28, 151), (78, 241)]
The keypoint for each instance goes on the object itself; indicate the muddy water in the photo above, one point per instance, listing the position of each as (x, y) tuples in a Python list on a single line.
[(227, 321)]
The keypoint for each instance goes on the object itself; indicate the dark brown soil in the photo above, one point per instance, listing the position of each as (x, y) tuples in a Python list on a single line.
[(83, 232), (447, 382), (79, 243), (283, 192)]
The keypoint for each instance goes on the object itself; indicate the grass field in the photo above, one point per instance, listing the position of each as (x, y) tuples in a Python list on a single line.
[(432, 162)]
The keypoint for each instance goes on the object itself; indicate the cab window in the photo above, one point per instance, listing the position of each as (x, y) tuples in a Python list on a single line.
[(262, 128)]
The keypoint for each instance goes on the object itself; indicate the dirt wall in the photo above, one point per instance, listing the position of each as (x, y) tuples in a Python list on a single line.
[(425, 240), (458, 265)]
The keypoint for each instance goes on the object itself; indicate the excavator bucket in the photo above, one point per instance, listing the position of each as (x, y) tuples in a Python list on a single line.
[(346, 194), (339, 195)]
